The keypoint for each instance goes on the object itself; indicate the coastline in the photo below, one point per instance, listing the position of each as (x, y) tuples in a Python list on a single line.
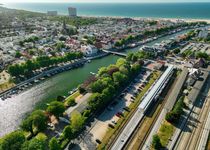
[(173, 19), (147, 18)]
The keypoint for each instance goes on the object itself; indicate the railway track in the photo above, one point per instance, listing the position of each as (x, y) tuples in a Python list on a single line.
[(187, 140), (128, 143), (159, 107), (196, 134)]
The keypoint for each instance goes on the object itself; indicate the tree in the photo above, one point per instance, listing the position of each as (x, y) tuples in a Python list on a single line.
[(177, 51), (71, 102), (18, 54), (119, 78), (81, 89), (56, 108), (34, 144), (27, 125), (12, 141), (68, 133), (54, 145), (77, 122), (39, 120), (36, 120), (156, 144)]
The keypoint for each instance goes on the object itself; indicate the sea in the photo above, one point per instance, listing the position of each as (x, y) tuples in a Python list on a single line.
[(145, 10)]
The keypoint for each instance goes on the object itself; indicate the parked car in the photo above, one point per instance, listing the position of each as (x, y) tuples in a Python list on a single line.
[(111, 125), (127, 109), (114, 122), (118, 115), (98, 141)]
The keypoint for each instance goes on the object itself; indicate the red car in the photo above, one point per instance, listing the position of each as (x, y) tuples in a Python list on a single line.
[(118, 115)]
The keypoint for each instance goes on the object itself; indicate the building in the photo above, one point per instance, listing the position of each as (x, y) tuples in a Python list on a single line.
[(203, 33), (89, 50), (72, 12), (52, 13)]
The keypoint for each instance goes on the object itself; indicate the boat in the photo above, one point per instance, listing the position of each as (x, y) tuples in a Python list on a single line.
[(92, 73)]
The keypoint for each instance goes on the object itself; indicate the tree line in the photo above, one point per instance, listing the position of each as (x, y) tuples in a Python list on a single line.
[(27, 68)]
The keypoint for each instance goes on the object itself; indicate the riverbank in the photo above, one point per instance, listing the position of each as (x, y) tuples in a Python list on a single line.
[(45, 74)]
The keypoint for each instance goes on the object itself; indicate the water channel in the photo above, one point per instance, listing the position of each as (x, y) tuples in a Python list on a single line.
[(12, 110)]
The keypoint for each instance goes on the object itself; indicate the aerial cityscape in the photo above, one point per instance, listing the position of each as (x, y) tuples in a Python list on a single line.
[(104, 75)]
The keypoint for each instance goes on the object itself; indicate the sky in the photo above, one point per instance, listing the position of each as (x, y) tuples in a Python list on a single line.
[(102, 1)]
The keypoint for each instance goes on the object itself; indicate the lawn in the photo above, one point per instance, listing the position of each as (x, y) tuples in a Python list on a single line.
[(165, 133)]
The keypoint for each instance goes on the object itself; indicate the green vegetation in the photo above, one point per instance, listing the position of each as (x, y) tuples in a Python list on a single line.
[(36, 121), (165, 133), (12, 141), (111, 80), (176, 51), (30, 39), (174, 115), (112, 132), (153, 33), (76, 21), (156, 144), (29, 66), (56, 108), (54, 145), (190, 53), (34, 144)]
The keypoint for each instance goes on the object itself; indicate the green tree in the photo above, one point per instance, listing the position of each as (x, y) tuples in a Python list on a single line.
[(120, 78), (12, 141), (37, 120), (56, 108), (71, 102), (18, 54), (34, 144), (77, 122), (156, 144), (27, 125), (54, 145), (68, 133)]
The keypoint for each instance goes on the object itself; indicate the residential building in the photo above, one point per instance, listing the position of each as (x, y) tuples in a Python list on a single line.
[(72, 12)]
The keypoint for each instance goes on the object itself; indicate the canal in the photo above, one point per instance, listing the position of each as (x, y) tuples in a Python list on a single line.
[(12, 110)]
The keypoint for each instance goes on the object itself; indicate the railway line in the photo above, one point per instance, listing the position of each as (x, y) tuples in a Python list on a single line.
[(192, 135), (150, 97), (137, 142)]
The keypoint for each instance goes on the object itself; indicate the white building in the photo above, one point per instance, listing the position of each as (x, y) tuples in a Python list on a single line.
[(203, 33), (72, 12), (89, 50)]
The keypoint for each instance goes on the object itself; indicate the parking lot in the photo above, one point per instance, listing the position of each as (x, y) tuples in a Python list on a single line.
[(116, 109)]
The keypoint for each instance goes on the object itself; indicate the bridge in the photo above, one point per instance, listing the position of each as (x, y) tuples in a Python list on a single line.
[(115, 53)]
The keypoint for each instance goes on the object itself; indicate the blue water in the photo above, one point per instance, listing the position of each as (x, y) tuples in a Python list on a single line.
[(153, 10)]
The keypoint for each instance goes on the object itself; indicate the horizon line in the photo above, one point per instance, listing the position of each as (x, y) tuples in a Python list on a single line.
[(108, 2)]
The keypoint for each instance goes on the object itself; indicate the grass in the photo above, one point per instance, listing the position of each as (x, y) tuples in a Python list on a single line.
[(73, 96), (112, 132), (6, 86), (165, 133), (144, 128)]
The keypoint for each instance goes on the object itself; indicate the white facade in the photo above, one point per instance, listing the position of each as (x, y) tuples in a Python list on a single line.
[(203, 34), (72, 12), (89, 50)]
